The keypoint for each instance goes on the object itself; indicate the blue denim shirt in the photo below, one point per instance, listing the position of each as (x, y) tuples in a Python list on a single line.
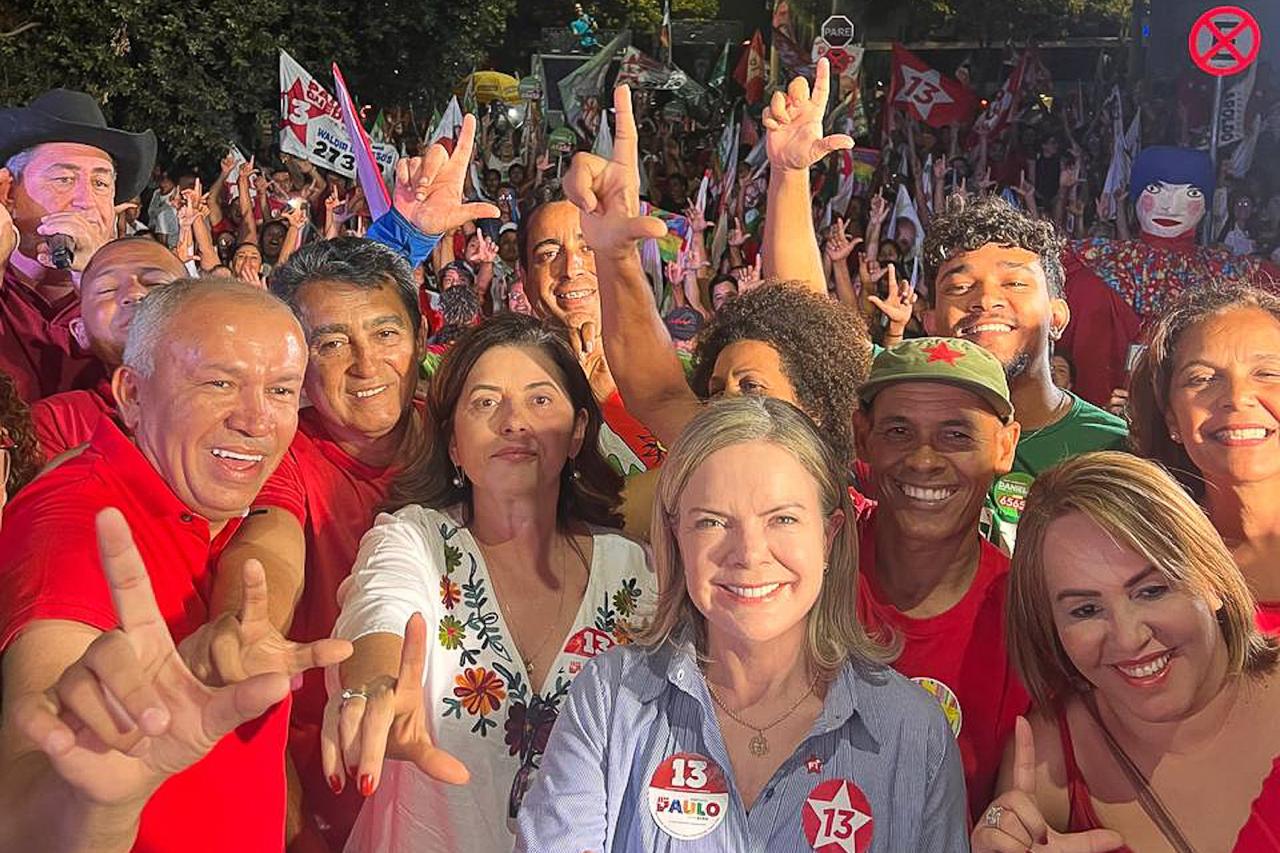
[(631, 709)]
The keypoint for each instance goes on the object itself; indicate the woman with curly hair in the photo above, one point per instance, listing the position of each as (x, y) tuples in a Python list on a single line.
[(19, 453), (1205, 402)]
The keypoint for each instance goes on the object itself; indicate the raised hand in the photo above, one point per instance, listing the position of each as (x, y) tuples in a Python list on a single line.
[(607, 192), (737, 236), (295, 214), (429, 189), (939, 168), (332, 200), (870, 271), (840, 245), (385, 718), (87, 230), (246, 169), (240, 645), (481, 250), (749, 278), (227, 164), (879, 210), (897, 307), (129, 714), (793, 123), (1069, 176), (1014, 821), (697, 219)]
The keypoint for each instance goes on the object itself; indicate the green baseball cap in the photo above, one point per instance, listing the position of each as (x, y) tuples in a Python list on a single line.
[(951, 360)]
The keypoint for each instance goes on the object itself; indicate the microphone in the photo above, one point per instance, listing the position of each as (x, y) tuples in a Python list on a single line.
[(62, 250)]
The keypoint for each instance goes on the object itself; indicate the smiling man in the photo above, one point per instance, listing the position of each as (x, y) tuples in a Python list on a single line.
[(936, 428), (997, 282), (560, 282), (208, 393), (357, 302), (115, 282)]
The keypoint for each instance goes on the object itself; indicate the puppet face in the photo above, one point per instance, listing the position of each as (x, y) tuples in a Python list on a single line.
[(1170, 210)]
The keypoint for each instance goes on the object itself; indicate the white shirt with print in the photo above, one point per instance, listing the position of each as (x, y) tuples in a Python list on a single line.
[(480, 705)]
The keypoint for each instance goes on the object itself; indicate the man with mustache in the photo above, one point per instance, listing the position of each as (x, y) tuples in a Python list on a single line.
[(998, 282)]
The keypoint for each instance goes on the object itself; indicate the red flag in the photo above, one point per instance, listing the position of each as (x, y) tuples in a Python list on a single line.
[(750, 70), (930, 96), (1004, 106)]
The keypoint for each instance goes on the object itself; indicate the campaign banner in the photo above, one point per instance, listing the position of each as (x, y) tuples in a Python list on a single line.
[(311, 125)]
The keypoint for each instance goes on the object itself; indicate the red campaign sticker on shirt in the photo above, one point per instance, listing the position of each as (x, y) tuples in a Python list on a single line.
[(688, 796), (837, 818), (587, 643)]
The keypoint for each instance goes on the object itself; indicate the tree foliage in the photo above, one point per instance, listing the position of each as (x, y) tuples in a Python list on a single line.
[(200, 74)]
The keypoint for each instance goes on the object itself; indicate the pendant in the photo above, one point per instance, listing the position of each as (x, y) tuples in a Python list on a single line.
[(759, 745)]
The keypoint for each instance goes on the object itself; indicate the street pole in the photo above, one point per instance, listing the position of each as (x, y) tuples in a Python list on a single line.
[(1213, 155)]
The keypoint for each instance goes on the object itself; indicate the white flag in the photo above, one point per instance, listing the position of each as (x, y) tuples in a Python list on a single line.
[(1124, 148), (905, 208), (604, 139), (449, 123), (311, 123)]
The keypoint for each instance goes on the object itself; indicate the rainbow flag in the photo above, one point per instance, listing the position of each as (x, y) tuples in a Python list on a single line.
[(367, 170)]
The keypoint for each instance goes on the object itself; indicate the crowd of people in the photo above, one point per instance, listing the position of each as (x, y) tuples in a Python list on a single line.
[(476, 527)]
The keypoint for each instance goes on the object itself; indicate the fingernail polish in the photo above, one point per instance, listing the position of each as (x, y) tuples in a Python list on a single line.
[(335, 784), (366, 785)]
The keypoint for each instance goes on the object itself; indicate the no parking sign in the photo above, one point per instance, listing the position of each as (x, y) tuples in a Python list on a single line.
[(1224, 41)]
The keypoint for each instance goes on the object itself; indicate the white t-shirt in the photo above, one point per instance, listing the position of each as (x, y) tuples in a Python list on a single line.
[(480, 706)]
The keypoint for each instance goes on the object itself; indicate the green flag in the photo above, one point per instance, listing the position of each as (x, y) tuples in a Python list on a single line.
[(721, 70)]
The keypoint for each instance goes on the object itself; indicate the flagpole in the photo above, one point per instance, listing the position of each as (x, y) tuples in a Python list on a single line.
[(1213, 153)]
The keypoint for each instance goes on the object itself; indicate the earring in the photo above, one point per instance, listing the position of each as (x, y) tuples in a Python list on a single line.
[(1174, 437), (459, 478), (574, 473)]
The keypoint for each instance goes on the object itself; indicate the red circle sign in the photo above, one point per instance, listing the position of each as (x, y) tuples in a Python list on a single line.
[(837, 818), (1224, 41)]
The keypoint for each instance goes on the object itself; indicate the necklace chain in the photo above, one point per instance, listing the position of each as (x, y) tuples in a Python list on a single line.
[(552, 623), (1063, 400), (759, 745)]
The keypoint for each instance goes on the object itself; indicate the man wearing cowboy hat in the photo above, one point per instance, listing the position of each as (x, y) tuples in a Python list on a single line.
[(65, 174)]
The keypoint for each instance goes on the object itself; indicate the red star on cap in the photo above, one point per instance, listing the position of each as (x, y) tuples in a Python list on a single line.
[(813, 764), (941, 352)]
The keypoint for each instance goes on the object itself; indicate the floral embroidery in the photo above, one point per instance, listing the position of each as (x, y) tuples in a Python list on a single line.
[(480, 690), (624, 600), (449, 592), (452, 633)]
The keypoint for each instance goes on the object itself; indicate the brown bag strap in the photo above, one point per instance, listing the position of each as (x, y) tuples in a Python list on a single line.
[(1146, 796)]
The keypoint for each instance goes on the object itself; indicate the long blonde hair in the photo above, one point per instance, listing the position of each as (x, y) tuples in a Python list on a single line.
[(1145, 510), (834, 634)]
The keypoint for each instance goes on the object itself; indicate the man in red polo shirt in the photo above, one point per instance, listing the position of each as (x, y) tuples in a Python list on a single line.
[(357, 303), (65, 175), (109, 742), (936, 428), (112, 287)]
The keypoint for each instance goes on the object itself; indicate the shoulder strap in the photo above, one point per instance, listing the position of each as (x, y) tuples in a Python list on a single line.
[(1146, 796)]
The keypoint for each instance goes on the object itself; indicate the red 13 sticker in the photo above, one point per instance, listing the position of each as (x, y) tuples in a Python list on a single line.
[(837, 818)]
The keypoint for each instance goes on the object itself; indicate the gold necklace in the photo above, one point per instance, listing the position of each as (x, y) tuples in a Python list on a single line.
[(531, 657), (759, 745)]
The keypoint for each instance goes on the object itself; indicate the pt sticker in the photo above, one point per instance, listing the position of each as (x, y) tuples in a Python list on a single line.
[(688, 796), (946, 698), (1011, 495), (837, 818)]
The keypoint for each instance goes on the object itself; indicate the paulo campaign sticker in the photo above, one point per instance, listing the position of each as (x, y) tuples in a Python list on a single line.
[(1011, 495), (688, 796), (837, 818), (946, 698)]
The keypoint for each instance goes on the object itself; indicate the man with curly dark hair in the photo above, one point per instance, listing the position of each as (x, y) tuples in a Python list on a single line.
[(998, 282)]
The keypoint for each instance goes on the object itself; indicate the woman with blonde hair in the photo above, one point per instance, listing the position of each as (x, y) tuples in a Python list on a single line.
[(1205, 402), (1134, 632), (754, 711)]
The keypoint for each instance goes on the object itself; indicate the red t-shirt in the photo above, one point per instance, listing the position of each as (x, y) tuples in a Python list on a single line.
[(234, 797), (643, 443), (70, 419), (36, 346), (335, 498), (959, 656), (1268, 617)]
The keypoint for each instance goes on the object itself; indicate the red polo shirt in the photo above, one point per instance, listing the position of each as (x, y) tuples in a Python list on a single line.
[(233, 798), (36, 346), (335, 498), (960, 657), (70, 419), (1269, 617)]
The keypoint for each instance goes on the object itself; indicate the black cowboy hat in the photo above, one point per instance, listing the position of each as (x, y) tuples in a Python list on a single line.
[(62, 115)]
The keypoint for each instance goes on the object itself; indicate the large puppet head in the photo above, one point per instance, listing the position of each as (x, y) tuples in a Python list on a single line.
[(1171, 188)]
